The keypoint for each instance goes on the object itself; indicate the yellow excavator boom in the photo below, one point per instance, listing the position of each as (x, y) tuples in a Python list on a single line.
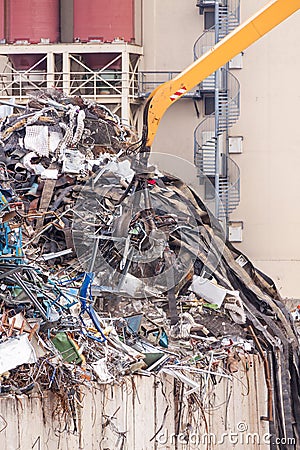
[(238, 40)]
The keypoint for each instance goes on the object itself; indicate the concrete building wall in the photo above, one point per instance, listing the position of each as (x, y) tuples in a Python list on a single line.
[(269, 124), (269, 206), (170, 29)]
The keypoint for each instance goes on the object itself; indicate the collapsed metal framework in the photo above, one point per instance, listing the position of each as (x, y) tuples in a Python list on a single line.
[(64, 66)]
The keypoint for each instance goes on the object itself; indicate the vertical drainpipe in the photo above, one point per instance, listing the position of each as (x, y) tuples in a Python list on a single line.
[(217, 84), (66, 36), (6, 20), (67, 21)]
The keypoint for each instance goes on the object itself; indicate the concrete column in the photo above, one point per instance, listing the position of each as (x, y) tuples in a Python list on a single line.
[(50, 70), (66, 72), (125, 102)]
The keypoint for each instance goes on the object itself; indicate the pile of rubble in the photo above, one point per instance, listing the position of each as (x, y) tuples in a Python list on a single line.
[(109, 268)]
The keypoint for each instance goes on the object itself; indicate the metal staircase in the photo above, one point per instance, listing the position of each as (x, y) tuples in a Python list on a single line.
[(205, 148), (214, 125), (228, 18), (229, 189), (211, 135)]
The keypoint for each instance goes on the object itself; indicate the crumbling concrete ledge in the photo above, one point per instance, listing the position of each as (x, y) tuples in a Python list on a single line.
[(145, 413)]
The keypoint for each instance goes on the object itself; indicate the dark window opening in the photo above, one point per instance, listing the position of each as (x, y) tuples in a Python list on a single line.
[(209, 188), (209, 105), (209, 19)]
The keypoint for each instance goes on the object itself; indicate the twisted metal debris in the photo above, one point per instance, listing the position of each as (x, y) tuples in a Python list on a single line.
[(152, 285)]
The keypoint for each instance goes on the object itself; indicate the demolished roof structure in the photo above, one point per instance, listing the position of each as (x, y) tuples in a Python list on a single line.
[(110, 267)]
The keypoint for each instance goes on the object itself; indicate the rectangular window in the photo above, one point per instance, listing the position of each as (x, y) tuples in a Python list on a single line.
[(209, 189), (209, 19), (209, 105)]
